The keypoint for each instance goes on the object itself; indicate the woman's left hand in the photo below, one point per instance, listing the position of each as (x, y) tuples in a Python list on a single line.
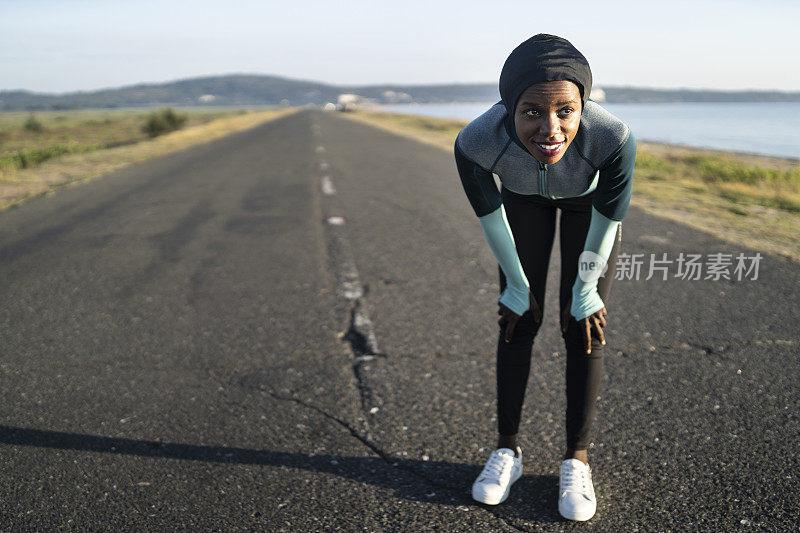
[(592, 324)]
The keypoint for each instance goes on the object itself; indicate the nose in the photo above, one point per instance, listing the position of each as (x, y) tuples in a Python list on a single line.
[(550, 126)]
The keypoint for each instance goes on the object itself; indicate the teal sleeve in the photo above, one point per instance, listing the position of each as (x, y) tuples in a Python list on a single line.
[(615, 184), (592, 264), (478, 183), (501, 241)]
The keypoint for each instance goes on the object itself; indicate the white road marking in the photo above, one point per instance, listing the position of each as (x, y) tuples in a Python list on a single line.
[(320, 149), (327, 186), (360, 333), (335, 220), (351, 289)]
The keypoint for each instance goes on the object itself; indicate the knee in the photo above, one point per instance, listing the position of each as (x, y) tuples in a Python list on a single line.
[(526, 328), (574, 340), (522, 339)]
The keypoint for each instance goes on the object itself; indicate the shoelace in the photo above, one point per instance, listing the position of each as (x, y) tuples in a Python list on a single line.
[(575, 480), (497, 466)]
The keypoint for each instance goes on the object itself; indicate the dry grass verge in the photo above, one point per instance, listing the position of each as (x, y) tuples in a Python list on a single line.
[(89, 161)]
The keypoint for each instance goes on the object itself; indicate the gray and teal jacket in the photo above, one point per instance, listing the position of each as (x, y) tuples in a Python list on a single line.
[(599, 160)]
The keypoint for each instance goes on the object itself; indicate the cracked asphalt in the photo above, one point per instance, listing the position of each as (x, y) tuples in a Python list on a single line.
[(193, 343)]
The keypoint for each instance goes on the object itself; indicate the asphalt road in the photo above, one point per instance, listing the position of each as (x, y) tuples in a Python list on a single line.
[(193, 344)]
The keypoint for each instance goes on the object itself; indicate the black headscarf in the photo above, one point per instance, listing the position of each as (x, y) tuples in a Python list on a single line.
[(543, 57)]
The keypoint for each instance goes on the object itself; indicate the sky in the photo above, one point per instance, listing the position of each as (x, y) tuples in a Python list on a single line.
[(71, 45)]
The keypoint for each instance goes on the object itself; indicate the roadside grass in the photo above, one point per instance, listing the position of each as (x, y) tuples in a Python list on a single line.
[(63, 132), (730, 179), (749, 200), (76, 146)]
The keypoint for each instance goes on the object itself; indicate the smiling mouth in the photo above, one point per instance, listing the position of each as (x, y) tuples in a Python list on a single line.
[(550, 149)]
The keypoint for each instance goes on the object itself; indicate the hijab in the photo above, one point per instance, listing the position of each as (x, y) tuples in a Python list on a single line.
[(541, 58)]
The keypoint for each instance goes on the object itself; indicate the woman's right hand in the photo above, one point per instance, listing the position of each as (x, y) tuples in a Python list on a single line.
[(509, 318)]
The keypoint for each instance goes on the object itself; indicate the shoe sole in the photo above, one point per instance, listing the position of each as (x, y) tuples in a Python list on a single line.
[(577, 517), (502, 498)]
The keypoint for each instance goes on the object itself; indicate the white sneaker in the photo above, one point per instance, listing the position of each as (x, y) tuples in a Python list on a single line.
[(501, 471), (576, 499)]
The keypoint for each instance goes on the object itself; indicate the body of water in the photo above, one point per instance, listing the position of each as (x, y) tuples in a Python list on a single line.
[(750, 127)]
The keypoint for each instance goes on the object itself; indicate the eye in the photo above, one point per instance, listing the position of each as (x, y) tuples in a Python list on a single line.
[(531, 113), (566, 111)]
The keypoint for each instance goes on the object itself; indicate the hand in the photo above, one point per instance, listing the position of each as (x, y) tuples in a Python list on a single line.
[(592, 324), (509, 318)]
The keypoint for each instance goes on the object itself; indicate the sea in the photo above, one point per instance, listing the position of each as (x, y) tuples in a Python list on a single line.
[(749, 127)]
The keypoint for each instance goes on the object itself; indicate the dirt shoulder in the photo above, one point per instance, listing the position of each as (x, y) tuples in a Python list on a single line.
[(19, 185)]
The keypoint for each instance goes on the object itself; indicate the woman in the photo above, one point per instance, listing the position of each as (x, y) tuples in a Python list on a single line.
[(552, 149)]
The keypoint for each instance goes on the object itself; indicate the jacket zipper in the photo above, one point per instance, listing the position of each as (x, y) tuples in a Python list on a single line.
[(543, 180)]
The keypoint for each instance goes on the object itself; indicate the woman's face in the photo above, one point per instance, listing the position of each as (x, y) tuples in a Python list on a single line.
[(547, 118)]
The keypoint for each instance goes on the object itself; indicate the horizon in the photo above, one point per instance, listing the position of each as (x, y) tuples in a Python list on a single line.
[(380, 84), (55, 47)]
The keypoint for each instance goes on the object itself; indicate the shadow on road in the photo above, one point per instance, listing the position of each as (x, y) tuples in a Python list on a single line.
[(533, 497)]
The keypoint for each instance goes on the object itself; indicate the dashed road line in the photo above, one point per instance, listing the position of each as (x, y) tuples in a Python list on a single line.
[(335, 220), (327, 186), (360, 334)]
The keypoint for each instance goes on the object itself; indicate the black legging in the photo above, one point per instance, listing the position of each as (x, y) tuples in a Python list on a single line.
[(533, 221)]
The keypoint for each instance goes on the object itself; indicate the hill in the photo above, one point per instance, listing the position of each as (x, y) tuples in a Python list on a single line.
[(253, 90)]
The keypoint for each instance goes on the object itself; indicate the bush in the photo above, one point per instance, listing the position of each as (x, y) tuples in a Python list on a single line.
[(33, 124), (163, 121), (31, 158)]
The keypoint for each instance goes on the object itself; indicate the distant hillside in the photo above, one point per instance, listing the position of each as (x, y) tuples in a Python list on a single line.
[(244, 90)]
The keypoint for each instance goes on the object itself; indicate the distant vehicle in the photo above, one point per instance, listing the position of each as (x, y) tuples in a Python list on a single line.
[(348, 102)]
